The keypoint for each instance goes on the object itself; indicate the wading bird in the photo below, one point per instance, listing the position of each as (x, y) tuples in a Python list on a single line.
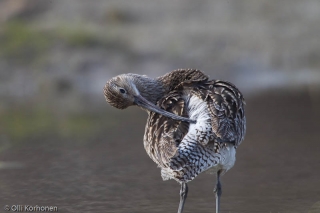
[(194, 124)]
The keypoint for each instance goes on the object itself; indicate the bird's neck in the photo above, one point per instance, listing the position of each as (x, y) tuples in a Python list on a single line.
[(149, 88)]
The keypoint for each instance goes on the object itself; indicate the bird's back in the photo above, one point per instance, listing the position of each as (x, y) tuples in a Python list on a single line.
[(183, 150)]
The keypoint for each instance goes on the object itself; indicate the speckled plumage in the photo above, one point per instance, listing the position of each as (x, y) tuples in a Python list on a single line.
[(182, 155), (184, 149)]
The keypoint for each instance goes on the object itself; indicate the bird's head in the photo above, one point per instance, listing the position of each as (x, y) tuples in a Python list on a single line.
[(120, 91), (127, 90)]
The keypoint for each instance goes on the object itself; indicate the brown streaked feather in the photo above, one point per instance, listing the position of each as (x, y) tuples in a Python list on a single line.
[(163, 135), (225, 104), (174, 79)]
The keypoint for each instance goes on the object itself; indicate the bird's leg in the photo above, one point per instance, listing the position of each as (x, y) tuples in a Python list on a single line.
[(183, 196), (217, 190)]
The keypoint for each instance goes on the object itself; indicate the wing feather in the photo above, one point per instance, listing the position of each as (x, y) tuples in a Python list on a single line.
[(226, 105), (163, 136)]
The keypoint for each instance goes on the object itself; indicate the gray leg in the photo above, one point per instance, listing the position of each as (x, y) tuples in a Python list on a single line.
[(183, 196), (217, 190)]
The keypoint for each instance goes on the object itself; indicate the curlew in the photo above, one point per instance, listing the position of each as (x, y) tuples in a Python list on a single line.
[(194, 124)]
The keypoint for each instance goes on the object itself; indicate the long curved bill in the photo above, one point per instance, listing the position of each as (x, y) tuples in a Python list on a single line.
[(144, 103)]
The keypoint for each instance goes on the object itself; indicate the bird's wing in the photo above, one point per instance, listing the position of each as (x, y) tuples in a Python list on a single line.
[(218, 107), (162, 134), (226, 106), (173, 79)]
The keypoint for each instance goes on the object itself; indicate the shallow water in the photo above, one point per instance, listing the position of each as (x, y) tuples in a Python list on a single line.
[(277, 168)]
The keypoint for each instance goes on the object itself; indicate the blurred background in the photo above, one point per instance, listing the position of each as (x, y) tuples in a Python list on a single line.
[(62, 145)]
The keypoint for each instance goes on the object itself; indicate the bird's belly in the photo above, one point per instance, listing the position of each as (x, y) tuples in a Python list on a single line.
[(227, 161)]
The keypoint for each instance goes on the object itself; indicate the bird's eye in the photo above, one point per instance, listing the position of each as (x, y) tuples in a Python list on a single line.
[(122, 90)]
